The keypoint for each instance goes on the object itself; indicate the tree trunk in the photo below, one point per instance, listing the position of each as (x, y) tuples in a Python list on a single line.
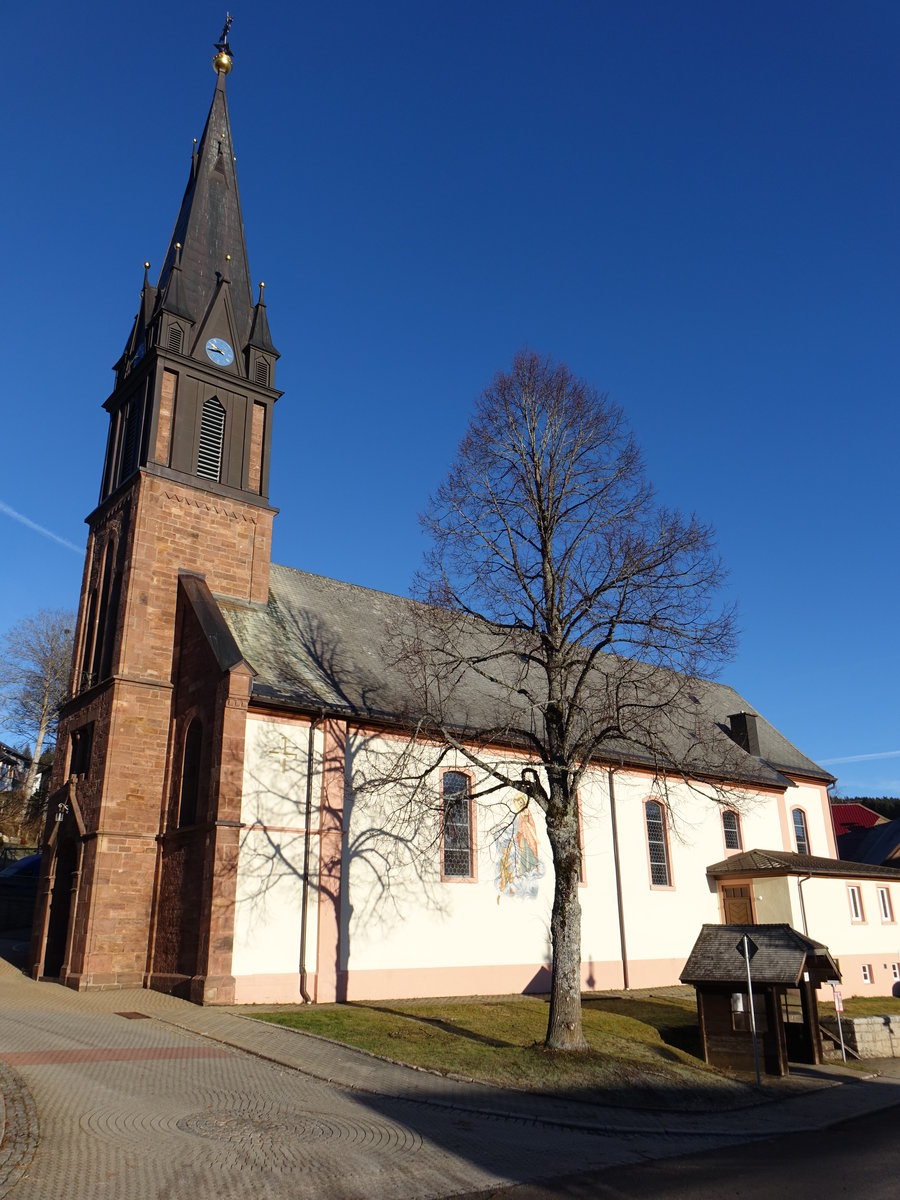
[(28, 785), (564, 1026)]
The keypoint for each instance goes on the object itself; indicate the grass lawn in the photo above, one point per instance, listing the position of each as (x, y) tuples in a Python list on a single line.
[(863, 1006), (642, 1047)]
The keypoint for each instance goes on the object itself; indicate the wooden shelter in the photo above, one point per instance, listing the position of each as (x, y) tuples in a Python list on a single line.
[(785, 969)]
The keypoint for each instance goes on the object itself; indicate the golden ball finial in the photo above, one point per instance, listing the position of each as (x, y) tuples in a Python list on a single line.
[(146, 265)]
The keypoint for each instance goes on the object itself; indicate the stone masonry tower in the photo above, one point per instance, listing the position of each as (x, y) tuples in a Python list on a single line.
[(184, 493)]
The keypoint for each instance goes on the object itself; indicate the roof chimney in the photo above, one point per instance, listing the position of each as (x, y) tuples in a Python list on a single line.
[(745, 732)]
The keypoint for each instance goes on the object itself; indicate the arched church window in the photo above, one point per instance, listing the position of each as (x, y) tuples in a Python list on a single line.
[(457, 825), (105, 588), (731, 828), (212, 439), (190, 774), (801, 836), (657, 844)]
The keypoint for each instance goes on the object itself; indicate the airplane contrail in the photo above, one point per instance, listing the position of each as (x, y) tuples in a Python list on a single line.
[(48, 533), (851, 758)]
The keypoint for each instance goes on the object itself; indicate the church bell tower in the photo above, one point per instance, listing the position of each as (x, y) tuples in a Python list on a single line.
[(183, 493)]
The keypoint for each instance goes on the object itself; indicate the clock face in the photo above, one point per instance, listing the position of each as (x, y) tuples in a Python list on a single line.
[(219, 352)]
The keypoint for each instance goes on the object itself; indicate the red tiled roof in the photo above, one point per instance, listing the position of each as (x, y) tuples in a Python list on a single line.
[(853, 816)]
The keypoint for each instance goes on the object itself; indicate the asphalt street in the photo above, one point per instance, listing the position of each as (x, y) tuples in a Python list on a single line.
[(855, 1158)]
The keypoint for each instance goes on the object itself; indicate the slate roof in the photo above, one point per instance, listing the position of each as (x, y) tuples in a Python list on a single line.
[(14, 758), (782, 955), (320, 643), (870, 846), (784, 862)]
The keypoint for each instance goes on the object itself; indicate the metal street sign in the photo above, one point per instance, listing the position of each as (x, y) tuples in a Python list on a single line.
[(749, 950), (746, 947), (838, 1001)]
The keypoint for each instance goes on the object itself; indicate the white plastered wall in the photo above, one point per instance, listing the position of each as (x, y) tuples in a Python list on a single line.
[(872, 941), (270, 865), (405, 930), (409, 921)]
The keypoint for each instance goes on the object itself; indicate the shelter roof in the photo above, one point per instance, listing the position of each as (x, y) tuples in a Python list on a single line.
[(782, 955)]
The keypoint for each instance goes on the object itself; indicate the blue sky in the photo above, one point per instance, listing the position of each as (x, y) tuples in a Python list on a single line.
[(693, 205)]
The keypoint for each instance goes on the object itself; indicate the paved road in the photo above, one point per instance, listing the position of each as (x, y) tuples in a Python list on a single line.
[(120, 1094), (856, 1158)]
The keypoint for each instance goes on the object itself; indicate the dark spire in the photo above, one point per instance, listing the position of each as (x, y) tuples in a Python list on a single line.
[(173, 300), (260, 337), (148, 297), (138, 336), (209, 224)]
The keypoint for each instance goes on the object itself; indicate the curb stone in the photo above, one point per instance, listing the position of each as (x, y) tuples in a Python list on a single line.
[(20, 1132)]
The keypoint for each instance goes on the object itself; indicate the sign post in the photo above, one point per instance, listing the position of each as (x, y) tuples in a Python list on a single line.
[(748, 948), (839, 1008)]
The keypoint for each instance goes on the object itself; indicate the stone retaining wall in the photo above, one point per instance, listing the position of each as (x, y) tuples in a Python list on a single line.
[(869, 1037)]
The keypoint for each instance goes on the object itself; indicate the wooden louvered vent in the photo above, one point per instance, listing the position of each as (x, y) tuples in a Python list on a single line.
[(262, 372), (130, 449), (174, 339), (212, 437)]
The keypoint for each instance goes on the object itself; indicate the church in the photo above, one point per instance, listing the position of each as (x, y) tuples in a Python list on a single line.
[(216, 827)]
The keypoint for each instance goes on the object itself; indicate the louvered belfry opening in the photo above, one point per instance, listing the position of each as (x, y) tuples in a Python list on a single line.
[(212, 437), (262, 372)]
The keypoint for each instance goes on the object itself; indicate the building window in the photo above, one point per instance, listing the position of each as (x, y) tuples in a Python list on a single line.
[(212, 440), (657, 844), (190, 774), (800, 835), (456, 825), (895, 971), (884, 905), (80, 756), (867, 973), (731, 828), (856, 906)]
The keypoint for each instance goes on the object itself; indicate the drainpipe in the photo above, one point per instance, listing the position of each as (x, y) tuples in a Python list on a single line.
[(800, 882), (307, 822), (618, 874)]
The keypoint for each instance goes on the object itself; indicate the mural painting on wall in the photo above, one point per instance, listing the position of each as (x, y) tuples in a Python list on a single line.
[(519, 866)]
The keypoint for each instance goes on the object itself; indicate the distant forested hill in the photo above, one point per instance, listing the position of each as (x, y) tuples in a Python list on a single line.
[(888, 806)]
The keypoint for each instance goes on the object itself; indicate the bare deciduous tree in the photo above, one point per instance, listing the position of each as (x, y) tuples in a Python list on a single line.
[(567, 616), (35, 659)]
